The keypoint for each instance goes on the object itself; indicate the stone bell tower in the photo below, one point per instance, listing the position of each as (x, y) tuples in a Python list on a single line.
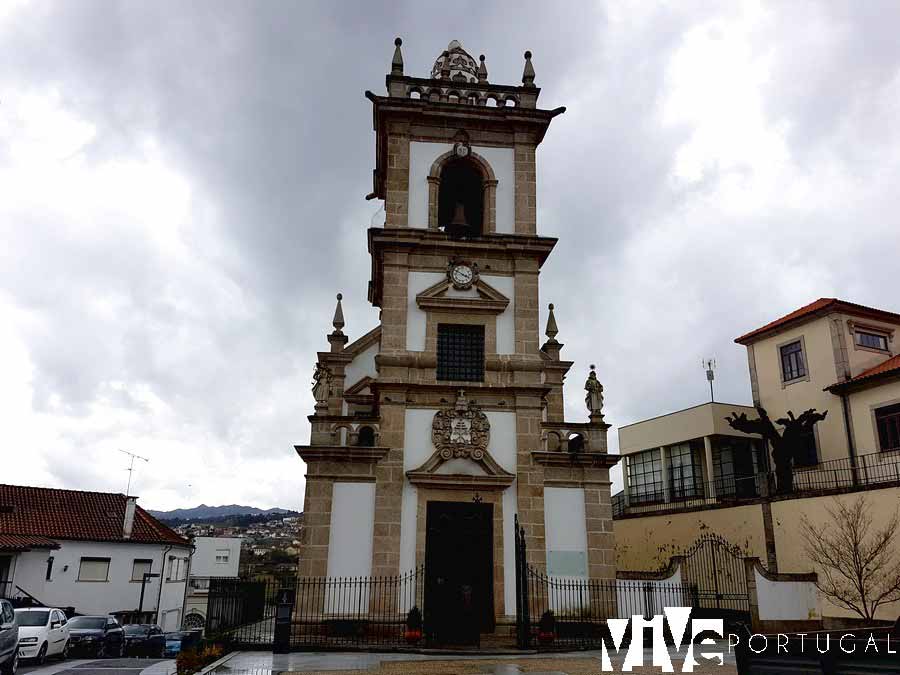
[(436, 429)]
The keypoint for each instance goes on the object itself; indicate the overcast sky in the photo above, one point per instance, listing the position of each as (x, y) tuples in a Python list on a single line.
[(182, 194)]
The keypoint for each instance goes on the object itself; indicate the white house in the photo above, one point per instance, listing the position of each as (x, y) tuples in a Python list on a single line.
[(213, 557), (93, 552)]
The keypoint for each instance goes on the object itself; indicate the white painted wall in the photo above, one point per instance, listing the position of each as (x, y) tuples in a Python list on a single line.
[(352, 529), (361, 366), (417, 448), (565, 525), (422, 156), (506, 322), (786, 600), (416, 318), (206, 551), (117, 594)]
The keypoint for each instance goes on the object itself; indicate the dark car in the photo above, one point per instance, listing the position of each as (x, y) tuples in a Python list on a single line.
[(99, 636), (144, 639), (181, 640), (9, 639)]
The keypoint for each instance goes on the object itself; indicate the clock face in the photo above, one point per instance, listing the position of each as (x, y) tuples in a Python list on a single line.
[(462, 275)]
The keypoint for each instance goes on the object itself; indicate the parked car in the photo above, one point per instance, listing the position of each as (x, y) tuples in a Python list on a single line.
[(180, 640), (99, 636), (9, 639), (43, 632), (144, 639)]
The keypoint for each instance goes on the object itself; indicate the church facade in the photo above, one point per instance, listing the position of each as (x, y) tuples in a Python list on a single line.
[(438, 429)]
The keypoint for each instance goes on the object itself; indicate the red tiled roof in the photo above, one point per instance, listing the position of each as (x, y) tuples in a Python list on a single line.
[(23, 542), (77, 515), (887, 367), (820, 305)]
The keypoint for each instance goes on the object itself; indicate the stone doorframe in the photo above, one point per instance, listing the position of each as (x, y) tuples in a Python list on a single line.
[(488, 496)]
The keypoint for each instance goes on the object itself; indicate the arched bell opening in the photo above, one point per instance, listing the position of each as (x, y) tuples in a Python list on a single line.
[(461, 198), (365, 437)]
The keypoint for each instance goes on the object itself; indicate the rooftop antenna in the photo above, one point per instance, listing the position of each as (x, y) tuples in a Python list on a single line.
[(710, 366), (130, 469)]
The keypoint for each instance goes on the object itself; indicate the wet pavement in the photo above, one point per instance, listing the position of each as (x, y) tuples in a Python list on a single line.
[(126, 666)]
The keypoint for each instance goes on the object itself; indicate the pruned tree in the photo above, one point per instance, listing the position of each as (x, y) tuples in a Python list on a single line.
[(859, 565), (785, 446)]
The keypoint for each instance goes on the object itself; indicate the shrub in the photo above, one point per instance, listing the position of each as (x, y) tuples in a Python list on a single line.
[(193, 660)]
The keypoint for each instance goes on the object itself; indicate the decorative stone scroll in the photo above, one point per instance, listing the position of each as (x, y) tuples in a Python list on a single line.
[(461, 431)]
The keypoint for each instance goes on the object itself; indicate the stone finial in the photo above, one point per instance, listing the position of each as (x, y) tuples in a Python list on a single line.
[(528, 73), (552, 331), (338, 320), (482, 70), (397, 61)]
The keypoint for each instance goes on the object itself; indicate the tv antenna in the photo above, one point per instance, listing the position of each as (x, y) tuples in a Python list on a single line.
[(130, 469), (710, 366)]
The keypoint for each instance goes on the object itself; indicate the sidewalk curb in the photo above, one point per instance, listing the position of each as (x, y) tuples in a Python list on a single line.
[(216, 664)]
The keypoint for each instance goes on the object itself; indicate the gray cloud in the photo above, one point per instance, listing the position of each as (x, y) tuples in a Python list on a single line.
[(167, 283)]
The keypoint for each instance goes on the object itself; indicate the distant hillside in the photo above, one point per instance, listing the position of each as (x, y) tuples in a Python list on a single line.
[(204, 512)]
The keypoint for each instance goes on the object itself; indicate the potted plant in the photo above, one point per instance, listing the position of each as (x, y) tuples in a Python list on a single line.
[(547, 628), (413, 626)]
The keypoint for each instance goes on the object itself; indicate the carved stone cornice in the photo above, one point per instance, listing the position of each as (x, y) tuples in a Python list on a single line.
[(581, 459), (488, 301), (340, 453), (459, 481)]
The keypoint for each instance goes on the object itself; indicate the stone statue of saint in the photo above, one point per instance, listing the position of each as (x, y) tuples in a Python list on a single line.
[(593, 399), (321, 383)]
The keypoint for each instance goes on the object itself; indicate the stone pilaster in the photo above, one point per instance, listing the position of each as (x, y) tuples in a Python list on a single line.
[(389, 479), (394, 302), (530, 479), (396, 200), (599, 525), (316, 527), (526, 188)]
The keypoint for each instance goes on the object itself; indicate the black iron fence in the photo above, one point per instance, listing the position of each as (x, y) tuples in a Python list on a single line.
[(867, 470), (572, 613), (325, 613)]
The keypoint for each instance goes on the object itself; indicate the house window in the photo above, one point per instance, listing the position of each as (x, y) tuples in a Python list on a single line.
[(93, 569), (806, 452), (49, 575), (645, 477), (793, 366), (887, 419), (460, 352), (140, 567), (684, 472), (871, 340), (221, 556)]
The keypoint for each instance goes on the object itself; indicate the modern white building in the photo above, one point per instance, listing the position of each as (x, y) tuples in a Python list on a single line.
[(91, 552), (213, 558)]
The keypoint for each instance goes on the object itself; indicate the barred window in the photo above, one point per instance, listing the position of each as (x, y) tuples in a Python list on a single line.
[(460, 352), (793, 366)]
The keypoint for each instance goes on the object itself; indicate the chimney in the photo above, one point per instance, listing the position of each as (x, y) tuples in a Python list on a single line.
[(128, 523)]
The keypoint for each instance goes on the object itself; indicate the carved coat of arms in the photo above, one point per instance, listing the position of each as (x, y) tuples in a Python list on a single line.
[(461, 431)]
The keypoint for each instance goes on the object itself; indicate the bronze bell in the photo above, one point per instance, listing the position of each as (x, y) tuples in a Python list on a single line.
[(459, 216)]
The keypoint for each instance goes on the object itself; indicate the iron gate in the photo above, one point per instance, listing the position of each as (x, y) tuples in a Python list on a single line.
[(715, 570)]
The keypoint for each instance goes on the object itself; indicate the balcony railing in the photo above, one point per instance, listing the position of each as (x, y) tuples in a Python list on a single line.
[(871, 469)]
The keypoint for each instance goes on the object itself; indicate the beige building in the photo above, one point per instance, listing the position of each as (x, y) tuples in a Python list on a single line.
[(439, 427), (688, 473)]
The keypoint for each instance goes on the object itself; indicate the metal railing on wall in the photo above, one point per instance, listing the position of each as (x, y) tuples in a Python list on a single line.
[(870, 469)]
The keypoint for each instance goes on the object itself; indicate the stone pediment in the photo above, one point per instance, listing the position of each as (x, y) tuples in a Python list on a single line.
[(483, 298), (460, 435)]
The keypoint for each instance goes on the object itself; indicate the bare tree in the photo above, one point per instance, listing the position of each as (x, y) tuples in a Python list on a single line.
[(859, 565), (786, 445)]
